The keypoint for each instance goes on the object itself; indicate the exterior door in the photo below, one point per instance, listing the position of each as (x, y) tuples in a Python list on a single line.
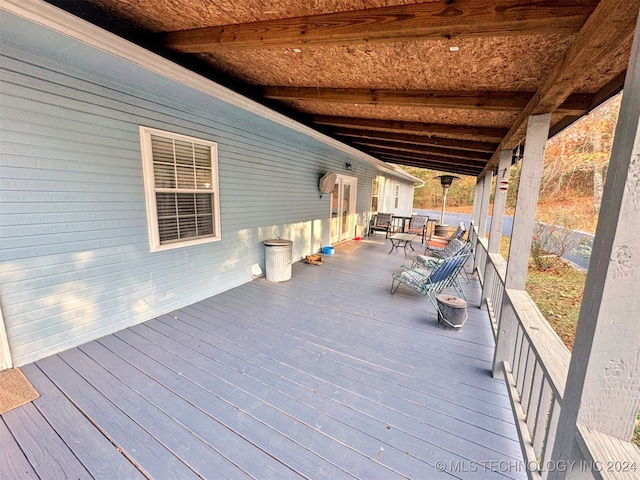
[(343, 208)]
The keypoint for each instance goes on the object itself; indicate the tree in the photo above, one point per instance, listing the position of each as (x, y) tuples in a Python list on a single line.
[(576, 158), (429, 196)]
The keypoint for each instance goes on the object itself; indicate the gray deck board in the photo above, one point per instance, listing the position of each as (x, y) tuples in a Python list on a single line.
[(49, 456), (13, 462), (149, 455), (309, 405), (280, 433), (374, 355), (324, 376), (366, 413), (375, 386), (189, 449), (198, 414), (93, 450)]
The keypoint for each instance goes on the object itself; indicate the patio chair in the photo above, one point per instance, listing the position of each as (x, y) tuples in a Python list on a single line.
[(432, 259), (436, 243), (426, 263), (418, 225), (381, 222), (431, 282)]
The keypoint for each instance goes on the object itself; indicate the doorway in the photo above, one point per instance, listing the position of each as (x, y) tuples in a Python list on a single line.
[(343, 208)]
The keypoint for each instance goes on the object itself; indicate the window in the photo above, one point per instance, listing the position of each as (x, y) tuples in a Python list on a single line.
[(374, 194), (181, 189), (397, 199)]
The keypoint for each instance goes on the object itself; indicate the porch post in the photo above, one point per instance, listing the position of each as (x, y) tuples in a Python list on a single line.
[(499, 202), (497, 221), (476, 201), (602, 392), (484, 204), (523, 223)]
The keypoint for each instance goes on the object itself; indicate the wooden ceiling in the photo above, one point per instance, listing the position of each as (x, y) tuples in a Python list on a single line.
[(440, 84)]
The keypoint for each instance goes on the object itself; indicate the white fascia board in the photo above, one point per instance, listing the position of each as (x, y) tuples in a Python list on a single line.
[(56, 19)]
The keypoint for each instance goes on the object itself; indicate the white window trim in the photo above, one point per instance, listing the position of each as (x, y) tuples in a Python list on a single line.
[(150, 191), (375, 189)]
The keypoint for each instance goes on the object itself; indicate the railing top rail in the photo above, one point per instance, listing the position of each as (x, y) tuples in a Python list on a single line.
[(609, 457), (500, 265), (551, 353)]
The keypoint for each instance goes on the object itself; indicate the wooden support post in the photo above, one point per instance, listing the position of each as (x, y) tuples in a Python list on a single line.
[(602, 393), (484, 195), (497, 221), (524, 217), (476, 201), (523, 223), (484, 204), (499, 202)]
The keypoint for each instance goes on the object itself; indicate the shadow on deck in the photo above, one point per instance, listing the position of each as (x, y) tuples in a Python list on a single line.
[(324, 376)]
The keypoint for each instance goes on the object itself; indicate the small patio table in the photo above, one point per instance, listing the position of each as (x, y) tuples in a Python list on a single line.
[(399, 224), (401, 239)]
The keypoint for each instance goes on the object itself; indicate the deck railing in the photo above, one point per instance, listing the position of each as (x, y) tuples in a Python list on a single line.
[(538, 363), (480, 260), (536, 375), (493, 288)]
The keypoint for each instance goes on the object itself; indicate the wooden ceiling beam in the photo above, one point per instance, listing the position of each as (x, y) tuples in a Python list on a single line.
[(439, 159), (576, 104), (417, 139), (431, 20), (405, 147), (486, 134), (426, 163), (605, 93), (610, 26)]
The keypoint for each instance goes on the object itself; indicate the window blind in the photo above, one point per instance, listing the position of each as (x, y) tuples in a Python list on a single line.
[(183, 179)]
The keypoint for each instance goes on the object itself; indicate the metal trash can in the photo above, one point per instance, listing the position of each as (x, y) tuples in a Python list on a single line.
[(277, 257), (452, 312)]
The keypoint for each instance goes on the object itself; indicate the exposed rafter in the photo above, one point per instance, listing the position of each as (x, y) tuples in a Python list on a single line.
[(609, 90), (407, 138), (485, 134), (435, 158), (576, 104), (430, 164), (441, 152), (610, 26), (461, 18)]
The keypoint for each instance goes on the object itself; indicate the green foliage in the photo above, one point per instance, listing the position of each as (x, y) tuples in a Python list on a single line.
[(557, 292), (551, 242), (429, 196), (574, 156), (514, 181)]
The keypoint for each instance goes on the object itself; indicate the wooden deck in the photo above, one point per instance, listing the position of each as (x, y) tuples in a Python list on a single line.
[(326, 376)]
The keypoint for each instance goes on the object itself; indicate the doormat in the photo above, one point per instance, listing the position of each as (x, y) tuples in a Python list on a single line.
[(15, 390), (348, 246)]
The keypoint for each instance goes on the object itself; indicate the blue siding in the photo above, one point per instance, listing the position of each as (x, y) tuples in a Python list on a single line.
[(74, 254)]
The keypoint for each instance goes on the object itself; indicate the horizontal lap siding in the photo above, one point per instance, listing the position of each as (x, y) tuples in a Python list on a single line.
[(74, 253), (387, 197)]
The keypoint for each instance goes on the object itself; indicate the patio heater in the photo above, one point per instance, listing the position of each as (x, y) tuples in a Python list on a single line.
[(445, 181)]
